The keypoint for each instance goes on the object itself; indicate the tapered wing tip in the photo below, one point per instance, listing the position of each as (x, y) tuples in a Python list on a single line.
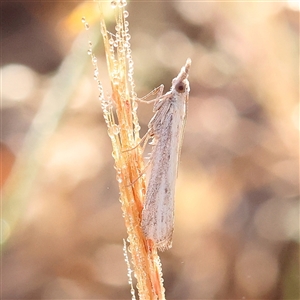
[(164, 246)]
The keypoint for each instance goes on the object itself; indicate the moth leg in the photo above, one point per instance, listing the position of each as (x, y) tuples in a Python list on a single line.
[(142, 173), (144, 141), (157, 91)]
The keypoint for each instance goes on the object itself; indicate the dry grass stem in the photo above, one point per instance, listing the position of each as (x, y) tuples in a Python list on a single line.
[(123, 131)]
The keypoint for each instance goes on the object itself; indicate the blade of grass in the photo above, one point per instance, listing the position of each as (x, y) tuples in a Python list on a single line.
[(124, 134), (15, 194)]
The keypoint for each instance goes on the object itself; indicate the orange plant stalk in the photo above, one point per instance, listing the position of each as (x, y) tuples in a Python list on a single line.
[(124, 134)]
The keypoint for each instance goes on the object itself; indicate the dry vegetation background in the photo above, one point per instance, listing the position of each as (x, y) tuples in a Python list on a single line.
[(237, 207)]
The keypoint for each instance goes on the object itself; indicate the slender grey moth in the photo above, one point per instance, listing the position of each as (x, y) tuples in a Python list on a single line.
[(166, 130)]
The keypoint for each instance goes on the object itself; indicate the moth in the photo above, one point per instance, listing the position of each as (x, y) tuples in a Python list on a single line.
[(166, 129)]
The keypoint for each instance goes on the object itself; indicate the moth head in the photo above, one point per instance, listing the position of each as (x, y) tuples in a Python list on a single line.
[(180, 87), (181, 83)]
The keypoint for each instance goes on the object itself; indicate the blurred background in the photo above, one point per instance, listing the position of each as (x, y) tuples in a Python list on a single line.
[(237, 196)]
